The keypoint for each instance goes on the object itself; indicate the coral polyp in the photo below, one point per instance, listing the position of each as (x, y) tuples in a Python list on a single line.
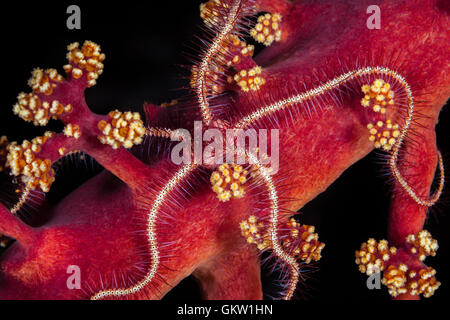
[(196, 187)]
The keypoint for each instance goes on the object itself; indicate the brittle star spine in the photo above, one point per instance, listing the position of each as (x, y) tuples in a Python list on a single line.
[(338, 81), (204, 66), (423, 202), (164, 133), (179, 176)]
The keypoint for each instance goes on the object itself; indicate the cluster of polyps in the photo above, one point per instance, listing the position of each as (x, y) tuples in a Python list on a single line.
[(88, 59), (22, 161), (373, 255), (237, 49), (303, 242), (250, 79), (378, 96), (253, 231), (376, 257), (299, 240), (30, 108), (122, 129), (228, 182), (44, 81), (402, 280), (267, 30), (52, 98), (384, 135), (422, 244)]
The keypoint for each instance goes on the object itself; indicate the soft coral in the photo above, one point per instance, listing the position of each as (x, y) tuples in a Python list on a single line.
[(100, 227)]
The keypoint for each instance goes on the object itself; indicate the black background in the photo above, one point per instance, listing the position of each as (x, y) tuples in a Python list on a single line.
[(144, 44)]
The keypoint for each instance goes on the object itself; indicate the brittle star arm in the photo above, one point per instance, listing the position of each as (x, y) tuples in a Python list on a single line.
[(276, 246), (339, 81), (202, 78)]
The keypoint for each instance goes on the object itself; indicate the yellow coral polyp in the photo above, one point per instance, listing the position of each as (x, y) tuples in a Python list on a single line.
[(85, 60), (44, 81), (395, 279), (250, 79), (254, 232), (210, 11), (73, 131), (30, 108), (267, 30), (373, 255), (422, 244), (378, 96), (384, 135), (228, 182), (238, 49), (399, 281), (122, 129), (303, 242), (23, 161)]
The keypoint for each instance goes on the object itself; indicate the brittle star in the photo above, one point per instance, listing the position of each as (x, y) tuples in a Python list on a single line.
[(201, 87), (377, 84)]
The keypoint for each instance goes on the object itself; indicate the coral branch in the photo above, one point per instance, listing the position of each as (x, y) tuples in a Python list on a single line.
[(57, 98), (12, 227), (235, 275), (407, 215)]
